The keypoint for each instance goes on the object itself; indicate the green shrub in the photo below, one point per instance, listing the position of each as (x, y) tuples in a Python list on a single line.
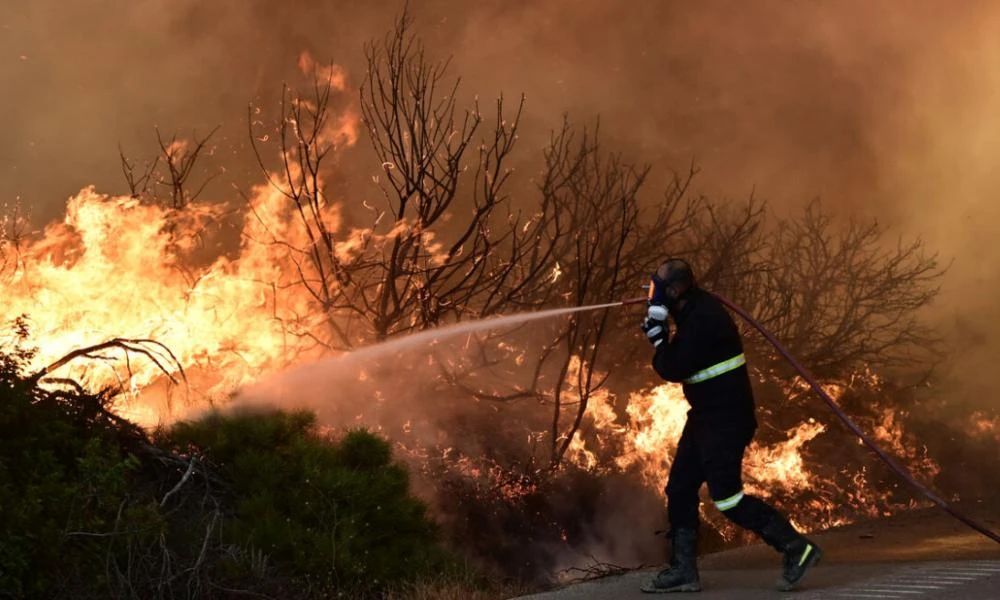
[(62, 474), (336, 514)]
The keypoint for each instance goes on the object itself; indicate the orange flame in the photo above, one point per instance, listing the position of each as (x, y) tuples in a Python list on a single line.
[(655, 422), (120, 267)]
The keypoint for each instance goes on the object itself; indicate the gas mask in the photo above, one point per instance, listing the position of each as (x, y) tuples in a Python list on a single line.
[(664, 292), (661, 292)]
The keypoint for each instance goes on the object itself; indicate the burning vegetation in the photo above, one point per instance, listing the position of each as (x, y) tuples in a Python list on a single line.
[(536, 446)]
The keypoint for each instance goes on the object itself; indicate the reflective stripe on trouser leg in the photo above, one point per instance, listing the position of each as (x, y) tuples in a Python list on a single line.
[(729, 502), (751, 513)]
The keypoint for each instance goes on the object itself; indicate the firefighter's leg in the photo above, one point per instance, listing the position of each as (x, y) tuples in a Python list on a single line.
[(683, 483), (723, 458), (685, 480)]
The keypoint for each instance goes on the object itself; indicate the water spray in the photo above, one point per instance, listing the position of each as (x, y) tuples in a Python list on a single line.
[(304, 376), (839, 412)]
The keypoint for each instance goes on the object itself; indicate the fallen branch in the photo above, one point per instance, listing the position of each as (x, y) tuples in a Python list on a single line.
[(597, 569)]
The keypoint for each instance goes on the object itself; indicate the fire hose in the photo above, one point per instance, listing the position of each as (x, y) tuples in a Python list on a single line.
[(839, 412)]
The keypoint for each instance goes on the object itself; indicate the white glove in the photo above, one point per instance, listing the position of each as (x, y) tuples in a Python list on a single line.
[(654, 325), (657, 312)]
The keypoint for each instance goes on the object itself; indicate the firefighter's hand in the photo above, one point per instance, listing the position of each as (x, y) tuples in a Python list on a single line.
[(654, 325)]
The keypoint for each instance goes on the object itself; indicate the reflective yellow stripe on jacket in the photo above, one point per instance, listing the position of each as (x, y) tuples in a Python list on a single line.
[(716, 370)]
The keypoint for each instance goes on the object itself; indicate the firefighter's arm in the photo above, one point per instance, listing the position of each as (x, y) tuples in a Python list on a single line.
[(676, 358)]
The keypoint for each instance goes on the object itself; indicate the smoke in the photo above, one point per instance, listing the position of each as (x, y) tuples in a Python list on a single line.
[(798, 100), (937, 152)]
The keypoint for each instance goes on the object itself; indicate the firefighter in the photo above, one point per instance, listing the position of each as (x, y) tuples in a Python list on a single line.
[(705, 353)]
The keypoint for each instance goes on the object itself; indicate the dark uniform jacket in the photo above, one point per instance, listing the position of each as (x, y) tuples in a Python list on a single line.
[(705, 336)]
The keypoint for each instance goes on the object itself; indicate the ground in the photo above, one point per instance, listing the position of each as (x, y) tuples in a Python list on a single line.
[(923, 554)]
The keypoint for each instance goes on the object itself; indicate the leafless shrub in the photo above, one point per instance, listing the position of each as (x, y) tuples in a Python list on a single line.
[(842, 297)]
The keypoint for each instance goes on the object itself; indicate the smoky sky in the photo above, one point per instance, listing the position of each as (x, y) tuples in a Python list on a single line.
[(774, 95), (882, 108)]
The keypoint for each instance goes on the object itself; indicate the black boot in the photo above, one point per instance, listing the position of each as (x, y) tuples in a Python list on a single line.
[(682, 576), (799, 552)]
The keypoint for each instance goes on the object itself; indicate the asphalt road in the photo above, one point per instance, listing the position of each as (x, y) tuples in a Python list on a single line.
[(923, 555)]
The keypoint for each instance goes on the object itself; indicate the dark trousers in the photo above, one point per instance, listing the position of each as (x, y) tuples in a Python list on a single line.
[(712, 452)]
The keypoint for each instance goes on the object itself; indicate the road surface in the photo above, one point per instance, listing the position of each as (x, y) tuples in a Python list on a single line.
[(922, 555)]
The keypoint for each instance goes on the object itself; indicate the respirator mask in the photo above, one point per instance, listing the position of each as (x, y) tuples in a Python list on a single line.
[(663, 292)]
